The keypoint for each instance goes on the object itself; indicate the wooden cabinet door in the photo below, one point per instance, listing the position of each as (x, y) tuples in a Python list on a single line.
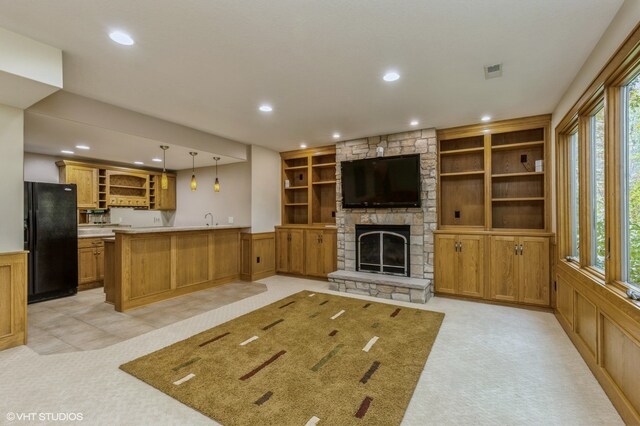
[(329, 252), (87, 270), (86, 180), (100, 262), (165, 198), (470, 274), (313, 253), (446, 263), (504, 268), (296, 251), (534, 271), (227, 254), (282, 250)]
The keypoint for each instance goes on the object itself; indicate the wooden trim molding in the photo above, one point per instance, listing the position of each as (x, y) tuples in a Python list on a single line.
[(13, 299), (258, 255)]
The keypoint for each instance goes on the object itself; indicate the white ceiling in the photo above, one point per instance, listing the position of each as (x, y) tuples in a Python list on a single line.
[(209, 64), (49, 135)]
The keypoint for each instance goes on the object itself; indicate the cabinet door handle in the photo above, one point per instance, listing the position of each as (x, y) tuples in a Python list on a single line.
[(521, 249), (515, 248), (456, 247), (460, 247)]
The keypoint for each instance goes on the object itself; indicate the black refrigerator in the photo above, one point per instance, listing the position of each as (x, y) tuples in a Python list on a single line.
[(51, 236)]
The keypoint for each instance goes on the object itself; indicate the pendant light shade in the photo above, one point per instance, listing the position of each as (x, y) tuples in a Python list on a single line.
[(216, 184), (194, 184), (164, 181)]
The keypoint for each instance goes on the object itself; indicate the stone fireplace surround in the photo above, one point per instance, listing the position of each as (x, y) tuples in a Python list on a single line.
[(418, 287)]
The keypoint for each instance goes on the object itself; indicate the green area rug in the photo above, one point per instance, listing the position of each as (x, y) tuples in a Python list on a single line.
[(311, 358)]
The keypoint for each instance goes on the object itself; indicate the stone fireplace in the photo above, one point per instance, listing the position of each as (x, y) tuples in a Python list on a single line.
[(417, 283), (383, 249)]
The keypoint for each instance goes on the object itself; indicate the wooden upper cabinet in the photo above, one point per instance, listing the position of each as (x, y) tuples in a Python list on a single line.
[(86, 180), (165, 199)]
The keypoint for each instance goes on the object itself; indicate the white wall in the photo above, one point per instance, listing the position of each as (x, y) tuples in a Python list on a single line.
[(140, 218), (265, 189), (40, 168), (622, 24), (11, 189), (30, 59), (234, 198)]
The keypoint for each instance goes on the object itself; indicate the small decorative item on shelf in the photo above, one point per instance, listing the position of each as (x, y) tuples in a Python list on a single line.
[(286, 183), (539, 165)]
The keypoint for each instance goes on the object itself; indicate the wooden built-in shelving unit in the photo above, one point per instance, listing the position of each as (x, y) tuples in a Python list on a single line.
[(493, 238), (309, 186)]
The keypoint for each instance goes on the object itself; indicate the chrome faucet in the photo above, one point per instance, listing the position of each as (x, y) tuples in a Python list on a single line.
[(205, 218)]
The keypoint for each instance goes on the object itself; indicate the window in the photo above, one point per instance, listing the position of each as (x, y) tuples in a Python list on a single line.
[(630, 179), (574, 196), (598, 246)]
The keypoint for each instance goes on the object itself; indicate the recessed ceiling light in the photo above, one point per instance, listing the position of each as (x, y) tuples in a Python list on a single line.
[(303, 145), (82, 147), (414, 122), (266, 108), (391, 76), (66, 151), (121, 38), (138, 162), (157, 160), (336, 135), (486, 118)]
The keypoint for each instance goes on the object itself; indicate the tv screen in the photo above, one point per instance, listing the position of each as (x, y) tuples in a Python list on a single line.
[(381, 182)]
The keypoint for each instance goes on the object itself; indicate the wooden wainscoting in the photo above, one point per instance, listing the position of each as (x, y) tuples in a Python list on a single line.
[(605, 328), (258, 255), (13, 299)]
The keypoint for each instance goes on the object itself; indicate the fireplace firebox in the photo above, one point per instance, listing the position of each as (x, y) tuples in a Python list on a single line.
[(383, 249)]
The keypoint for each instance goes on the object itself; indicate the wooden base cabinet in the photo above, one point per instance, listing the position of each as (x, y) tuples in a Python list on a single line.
[(460, 264), (320, 252), (306, 251), (520, 269), (290, 251), (13, 299), (90, 263)]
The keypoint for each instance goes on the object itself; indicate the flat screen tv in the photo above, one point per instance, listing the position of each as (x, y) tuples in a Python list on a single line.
[(381, 182)]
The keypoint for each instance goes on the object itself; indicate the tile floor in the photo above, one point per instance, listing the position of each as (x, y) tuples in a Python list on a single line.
[(85, 322), (490, 365)]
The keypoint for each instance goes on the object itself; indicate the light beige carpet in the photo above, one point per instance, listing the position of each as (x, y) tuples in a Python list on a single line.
[(306, 359)]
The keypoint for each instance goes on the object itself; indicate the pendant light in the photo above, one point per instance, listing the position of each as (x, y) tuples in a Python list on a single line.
[(164, 181), (216, 184), (194, 184)]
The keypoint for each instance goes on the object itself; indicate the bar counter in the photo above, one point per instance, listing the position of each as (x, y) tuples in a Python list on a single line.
[(147, 265)]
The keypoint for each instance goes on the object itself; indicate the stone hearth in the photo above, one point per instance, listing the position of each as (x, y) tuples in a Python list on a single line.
[(418, 286)]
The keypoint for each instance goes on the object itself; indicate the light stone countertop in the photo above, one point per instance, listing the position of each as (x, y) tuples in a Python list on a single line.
[(102, 235), (157, 229)]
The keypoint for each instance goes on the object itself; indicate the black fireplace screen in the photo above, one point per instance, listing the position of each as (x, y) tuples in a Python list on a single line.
[(383, 249)]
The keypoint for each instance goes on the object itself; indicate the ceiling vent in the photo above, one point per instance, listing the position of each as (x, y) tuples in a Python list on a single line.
[(492, 71)]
